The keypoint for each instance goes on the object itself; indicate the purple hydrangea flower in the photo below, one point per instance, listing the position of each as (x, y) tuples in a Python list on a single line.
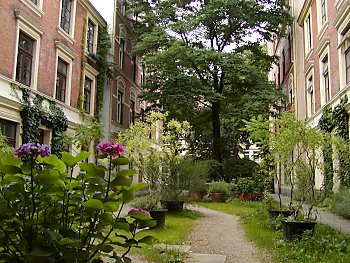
[(109, 148), (32, 150), (134, 210)]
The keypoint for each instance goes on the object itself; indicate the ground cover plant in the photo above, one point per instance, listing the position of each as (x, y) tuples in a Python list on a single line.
[(176, 231), (51, 212), (326, 245)]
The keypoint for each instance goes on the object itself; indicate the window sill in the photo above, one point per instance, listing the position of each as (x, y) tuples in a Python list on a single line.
[(322, 30), (35, 8), (65, 35)]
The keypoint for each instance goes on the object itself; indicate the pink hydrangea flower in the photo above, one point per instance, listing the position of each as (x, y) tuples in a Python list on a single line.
[(32, 150), (134, 210), (111, 149)]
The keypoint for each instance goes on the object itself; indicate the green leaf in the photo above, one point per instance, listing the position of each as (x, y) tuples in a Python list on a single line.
[(147, 240), (96, 170), (73, 185), (104, 248), (53, 160), (140, 216), (10, 169), (128, 172), (148, 223), (128, 195), (9, 178), (66, 241), (68, 159), (121, 181), (9, 159), (111, 206), (127, 260), (121, 226), (47, 177), (94, 204), (102, 156), (42, 252), (53, 236), (138, 186), (120, 161)]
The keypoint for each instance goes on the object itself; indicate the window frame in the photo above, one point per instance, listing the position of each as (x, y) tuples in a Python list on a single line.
[(10, 141), (90, 36), (308, 34), (121, 52), (90, 73), (120, 98), (87, 94), (70, 34), (34, 31), (326, 79), (25, 55), (132, 115), (36, 7), (61, 76), (310, 95), (347, 66)]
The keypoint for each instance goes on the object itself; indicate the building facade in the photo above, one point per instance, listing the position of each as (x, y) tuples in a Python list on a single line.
[(123, 107), (314, 61), (49, 50)]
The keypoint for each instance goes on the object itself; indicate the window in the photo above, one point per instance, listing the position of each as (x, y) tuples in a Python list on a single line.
[(24, 59), (325, 74), (61, 80), (87, 94), (121, 52), (134, 67), (34, 1), (310, 97), (323, 12), (66, 13), (290, 93), (90, 36), (284, 69), (347, 65), (8, 129), (289, 48), (308, 34), (120, 107), (123, 7), (132, 112)]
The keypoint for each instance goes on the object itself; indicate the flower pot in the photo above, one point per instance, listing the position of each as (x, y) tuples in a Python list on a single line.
[(159, 216), (245, 197), (197, 195), (217, 197), (295, 229), (174, 206), (273, 213)]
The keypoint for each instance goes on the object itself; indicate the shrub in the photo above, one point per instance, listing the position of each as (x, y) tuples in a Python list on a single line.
[(219, 187), (341, 203), (49, 215), (237, 167)]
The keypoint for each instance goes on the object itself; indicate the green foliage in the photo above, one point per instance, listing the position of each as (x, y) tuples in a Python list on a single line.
[(4, 147), (341, 202), (236, 167), (50, 215), (33, 115), (244, 185), (326, 245), (220, 187), (199, 58)]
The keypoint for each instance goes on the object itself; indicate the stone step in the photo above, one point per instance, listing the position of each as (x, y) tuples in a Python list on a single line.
[(180, 248), (205, 258)]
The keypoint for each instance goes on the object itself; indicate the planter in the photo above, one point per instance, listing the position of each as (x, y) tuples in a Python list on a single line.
[(159, 216), (174, 206), (295, 229), (217, 197), (245, 197), (273, 213), (197, 195), (258, 197)]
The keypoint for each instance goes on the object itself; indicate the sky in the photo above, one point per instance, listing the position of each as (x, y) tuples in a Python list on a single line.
[(105, 7)]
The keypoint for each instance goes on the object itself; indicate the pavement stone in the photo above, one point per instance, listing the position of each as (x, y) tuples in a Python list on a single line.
[(180, 248), (205, 258), (323, 216)]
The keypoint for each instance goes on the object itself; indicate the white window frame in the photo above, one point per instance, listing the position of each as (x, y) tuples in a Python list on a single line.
[(310, 91), (120, 88), (89, 17), (36, 8), (308, 43), (35, 32), (63, 53), (291, 93), (322, 79), (90, 73), (70, 36), (322, 25), (132, 98)]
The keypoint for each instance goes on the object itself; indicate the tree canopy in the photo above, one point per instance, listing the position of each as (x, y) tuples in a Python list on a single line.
[(206, 62)]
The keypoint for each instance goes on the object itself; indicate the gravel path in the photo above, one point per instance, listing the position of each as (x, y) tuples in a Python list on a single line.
[(220, 233)]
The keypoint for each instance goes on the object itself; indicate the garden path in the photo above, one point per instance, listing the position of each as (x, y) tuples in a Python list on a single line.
[(220, 233)]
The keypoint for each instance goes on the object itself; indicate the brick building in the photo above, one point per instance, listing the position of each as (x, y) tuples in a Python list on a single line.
[(48, 48), (123, 107), (314, 60)]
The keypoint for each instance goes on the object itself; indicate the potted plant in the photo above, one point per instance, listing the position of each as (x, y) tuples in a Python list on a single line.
[(218, 190), (298, 147), (244, 188)]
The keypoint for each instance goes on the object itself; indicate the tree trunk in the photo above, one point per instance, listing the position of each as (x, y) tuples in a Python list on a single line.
[(217, 147)]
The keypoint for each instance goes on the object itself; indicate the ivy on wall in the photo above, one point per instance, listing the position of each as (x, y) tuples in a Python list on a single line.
[(337, 121), (33, 115)]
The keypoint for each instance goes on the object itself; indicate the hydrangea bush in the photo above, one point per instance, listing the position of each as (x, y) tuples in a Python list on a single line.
[(67, 210)]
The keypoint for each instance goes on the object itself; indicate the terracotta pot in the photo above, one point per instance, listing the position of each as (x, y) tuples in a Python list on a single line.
[(295, 229), (217, 197), (197, 195), (245, 197)]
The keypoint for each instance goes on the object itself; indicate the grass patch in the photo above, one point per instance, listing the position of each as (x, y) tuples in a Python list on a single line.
[(326, 246), (176, 230)]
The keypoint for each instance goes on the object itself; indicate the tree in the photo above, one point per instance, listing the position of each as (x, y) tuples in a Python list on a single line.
[(206, 54)]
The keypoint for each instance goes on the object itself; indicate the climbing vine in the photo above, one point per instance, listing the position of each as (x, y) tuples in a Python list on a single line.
[(33, 115), (337, 121)]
